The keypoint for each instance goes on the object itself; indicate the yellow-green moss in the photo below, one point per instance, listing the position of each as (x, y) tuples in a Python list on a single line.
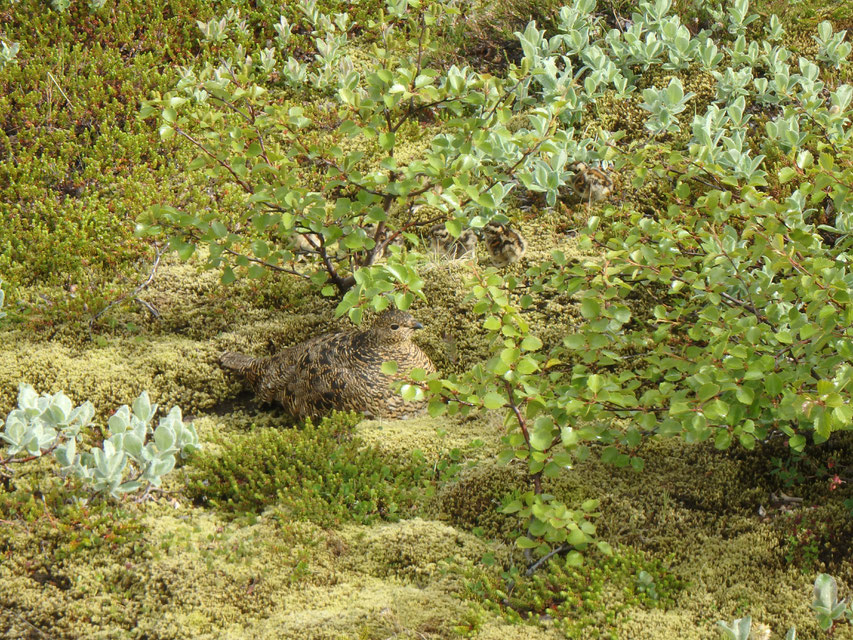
[(412, 550), (433, 436)]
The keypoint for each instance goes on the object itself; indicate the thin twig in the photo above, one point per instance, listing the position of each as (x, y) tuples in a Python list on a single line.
[(151, 308), (245, 185), (50, 75), (34, 627), (265, 264), (133, 294), (4, 462), (535, 566)]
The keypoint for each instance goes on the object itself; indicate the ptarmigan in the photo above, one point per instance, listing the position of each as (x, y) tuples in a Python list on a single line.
[(591, 184), (444, 245), (339, 370), (505, 244)]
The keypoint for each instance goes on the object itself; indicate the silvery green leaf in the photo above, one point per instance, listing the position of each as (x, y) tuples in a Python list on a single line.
[(85, 473), (109, 466), (149, 452), (18, 416), (83, 414), (737, 630), (87, 459), (27, 397), (109, 447), (120, 420), (15, 426), (142, 407), (163, 466), (189, 440), (63, 403), (100, 460), (825, 591), (127, 487), (139, 430), (55, 415), (174, 415), (133, 445), (14, 448), (33, 444), (117, 463), (13, 438), (66, 453), (164, 437)]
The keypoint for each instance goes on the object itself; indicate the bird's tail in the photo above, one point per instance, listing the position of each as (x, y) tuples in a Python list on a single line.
[(238, 361)]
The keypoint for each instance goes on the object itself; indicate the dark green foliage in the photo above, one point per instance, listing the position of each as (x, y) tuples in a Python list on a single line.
[(75, 162), (585, 601), (817, 537), (77, 165), (42, 507), (320, 473)]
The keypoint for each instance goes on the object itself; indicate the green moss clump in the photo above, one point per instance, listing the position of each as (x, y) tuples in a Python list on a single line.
[(320, 473), (588, 601), (38, 505), (817, 539), (471, 502), (416, 550)]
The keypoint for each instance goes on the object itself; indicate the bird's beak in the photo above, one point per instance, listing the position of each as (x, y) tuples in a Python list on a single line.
[(417, 325)]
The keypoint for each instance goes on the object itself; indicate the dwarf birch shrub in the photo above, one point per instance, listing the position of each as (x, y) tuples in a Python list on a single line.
[(747, 333), (325, 188)]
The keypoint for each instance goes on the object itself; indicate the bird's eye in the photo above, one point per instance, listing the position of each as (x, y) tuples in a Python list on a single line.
[(395, 326)]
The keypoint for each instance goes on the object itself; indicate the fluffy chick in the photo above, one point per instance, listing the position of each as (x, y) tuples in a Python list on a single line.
[(592, 184), (340, 371), (444, 245), (505, 244)]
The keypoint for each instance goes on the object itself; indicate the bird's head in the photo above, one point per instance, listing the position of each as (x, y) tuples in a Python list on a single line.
[(395, 326)]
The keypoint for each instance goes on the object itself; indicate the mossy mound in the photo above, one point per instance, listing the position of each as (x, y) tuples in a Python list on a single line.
[(174, 370), (474, 437), (413, 550), (205, 578)]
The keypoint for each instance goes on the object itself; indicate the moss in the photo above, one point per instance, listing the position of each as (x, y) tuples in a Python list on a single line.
[(590, 600), (413, 550), (433, 437), (472, 500), (206, 578), (36, 505), (176, 371)]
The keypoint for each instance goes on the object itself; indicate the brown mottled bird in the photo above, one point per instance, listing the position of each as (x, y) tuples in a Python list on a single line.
[(591, 184), (505, 244), (444, 245), (339, 370)]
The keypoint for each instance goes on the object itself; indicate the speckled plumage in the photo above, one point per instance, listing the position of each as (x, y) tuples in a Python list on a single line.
[(592, 184), (444, 245), (505, 244), (339, 370)]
